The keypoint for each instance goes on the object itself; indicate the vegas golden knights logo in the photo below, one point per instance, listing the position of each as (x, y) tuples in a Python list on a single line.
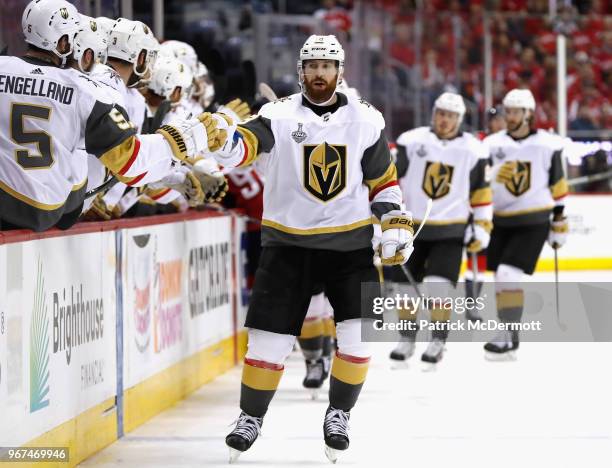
[(521, 179), (325, 170), (437, 179), (64, 13)]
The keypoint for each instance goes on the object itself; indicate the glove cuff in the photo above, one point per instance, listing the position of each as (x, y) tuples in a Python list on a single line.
[(176, 141)]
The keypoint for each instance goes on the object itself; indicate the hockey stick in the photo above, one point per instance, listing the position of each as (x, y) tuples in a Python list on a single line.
[(106, 185), (267, 92), (562, 325)]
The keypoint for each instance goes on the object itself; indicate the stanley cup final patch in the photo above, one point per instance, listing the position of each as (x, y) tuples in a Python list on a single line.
[(299, 135), (324, 170)]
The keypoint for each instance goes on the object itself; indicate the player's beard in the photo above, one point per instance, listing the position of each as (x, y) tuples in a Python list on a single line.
[(319, 94), (514, 127)]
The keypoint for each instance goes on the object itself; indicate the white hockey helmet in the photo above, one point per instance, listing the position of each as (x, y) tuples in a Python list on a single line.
[(45, 22), (167, 75), (181, 51), (90, 36), (105, 24), (519, 98), (451, 102), (321, 48), (128, 38)]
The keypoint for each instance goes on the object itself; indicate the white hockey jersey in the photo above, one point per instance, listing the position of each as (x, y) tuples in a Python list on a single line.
[(321, 172), (46, 113), (538, 182), (453, 173)]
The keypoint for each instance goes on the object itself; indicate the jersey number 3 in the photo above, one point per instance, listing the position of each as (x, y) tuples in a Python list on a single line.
[(19, 135)]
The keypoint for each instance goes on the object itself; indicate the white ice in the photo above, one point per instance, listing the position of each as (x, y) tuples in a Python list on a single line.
[(550, 408)]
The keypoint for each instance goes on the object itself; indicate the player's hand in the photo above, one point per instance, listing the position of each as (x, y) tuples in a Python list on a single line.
[(477, 236), (559, 228), (397, 237), (237, 110), (225, 138), (98, 211), (190, 138), (213, 182), (506, 172), (186, 183)]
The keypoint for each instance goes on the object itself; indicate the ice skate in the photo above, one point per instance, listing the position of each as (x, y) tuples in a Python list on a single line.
[(335, 432), (315, 370), (502, 347), (433, 354), (404, 349), (244, 434)]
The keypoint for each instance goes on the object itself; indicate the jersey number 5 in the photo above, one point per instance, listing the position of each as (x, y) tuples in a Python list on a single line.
[(22, 137)]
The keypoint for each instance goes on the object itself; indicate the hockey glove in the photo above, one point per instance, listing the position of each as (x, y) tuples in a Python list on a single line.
[(213, 182), (237, 110), (225, 137), (98, 210), (188, 138), (478, 235), (506, 172), (186, 183), (397, 237), (559, 228)]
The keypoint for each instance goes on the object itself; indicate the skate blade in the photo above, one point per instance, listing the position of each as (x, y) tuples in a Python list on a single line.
[(508, 356), (314, 393), (400, 365), (332, 454), (234, 455), (429, 366)]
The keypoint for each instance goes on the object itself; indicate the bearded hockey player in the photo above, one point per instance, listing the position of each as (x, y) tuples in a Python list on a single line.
[(450, 167), (326, 161), (529, 188), (52, 111)]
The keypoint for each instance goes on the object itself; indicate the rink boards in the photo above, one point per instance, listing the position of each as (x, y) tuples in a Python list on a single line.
[(104, 328)]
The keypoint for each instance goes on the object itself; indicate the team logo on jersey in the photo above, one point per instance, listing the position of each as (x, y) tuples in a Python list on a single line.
[(520, 181), (325, 170), (437, 179), (299, 135), (499, 154), (421, 152)]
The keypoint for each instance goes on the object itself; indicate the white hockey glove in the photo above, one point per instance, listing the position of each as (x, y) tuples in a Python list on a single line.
[(559, 228), (189, 138), (397, 237), (213, 182), (186, 183), (226, 126), (237, 110), (478, 235)]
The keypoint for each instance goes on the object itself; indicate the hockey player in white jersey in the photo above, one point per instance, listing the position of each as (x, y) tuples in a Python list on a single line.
[(529, 188), (50, 111), (326, 161), (450, 167)]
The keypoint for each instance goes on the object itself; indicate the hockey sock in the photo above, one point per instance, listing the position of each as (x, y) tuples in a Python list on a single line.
[(259, 382), (347, 376), (472, 289), (329, 333), (441, 318), (311, 338), (410, 315), (510, 305)]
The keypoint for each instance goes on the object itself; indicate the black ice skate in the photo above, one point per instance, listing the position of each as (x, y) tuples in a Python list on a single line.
[(244, 434), (404, 349), (315, 376), (434, 352), (503, 346), (335, 432)]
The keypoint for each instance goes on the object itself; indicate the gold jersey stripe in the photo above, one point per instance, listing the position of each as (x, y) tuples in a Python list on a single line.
[(321, 230), (252, 145), (329, 327), (312, 329), (519, 212), (389, 176), (509, 299), (117, 157), (481, 196), (408, 313), (559, 189), (260, 378), (352, 373), (36, 204)]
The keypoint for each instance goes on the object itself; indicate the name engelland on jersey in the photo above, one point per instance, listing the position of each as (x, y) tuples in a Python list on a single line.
[(36, 87)]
